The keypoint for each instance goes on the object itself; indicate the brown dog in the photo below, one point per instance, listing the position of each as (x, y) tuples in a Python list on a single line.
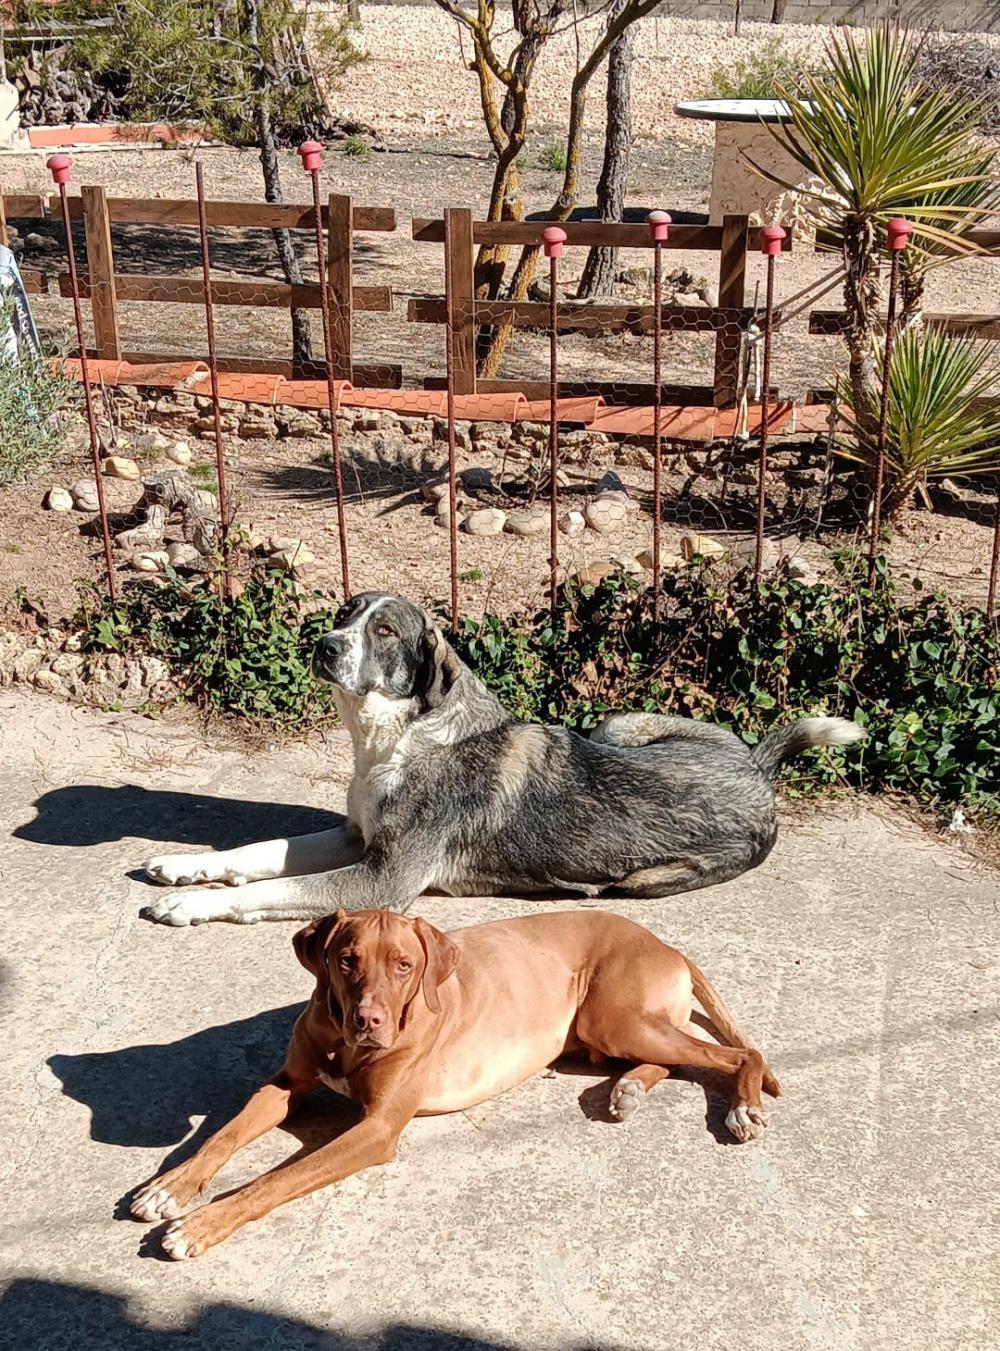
[(409, 1021)]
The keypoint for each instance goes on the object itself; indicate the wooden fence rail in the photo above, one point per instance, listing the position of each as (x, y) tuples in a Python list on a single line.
[(105, 287), (728, 319)]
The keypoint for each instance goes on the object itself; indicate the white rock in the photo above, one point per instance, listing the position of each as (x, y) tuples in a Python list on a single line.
[(572, 523), (208, 499), (292, 559), (153, 561), (179, 452), (284, 543), (605, 514), (704, 545), (120, 466), (434, 489), (182, 555), (488, 521), (528, 521), (84, 494), (667, 560), (152, 439), (626, 563), (58, 499)]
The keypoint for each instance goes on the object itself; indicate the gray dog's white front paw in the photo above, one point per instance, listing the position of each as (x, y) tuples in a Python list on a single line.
[(188, 907)]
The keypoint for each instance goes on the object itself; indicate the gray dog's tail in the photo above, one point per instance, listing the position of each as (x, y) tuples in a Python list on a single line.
[(784, 742)]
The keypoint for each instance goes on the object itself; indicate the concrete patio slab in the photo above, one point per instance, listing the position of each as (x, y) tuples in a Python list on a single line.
[(863, 955)]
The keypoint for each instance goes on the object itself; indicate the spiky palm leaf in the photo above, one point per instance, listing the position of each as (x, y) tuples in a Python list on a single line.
[(944, 417), (881, 144)]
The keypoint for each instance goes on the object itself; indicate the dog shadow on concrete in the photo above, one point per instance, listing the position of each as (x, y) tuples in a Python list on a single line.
[(39, 1314), (90, 814), (147, 1096)]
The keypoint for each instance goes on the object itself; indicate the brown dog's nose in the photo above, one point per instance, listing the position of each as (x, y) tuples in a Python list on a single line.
[(369, 1020)]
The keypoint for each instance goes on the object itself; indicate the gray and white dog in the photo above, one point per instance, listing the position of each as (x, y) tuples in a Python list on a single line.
[(452, 794)]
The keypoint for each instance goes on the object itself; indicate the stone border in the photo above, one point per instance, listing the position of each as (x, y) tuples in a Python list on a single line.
[(95, 679)]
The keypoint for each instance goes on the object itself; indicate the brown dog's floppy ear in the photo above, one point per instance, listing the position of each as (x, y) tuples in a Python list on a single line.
[(440, 960), (439, 667), (311, 942)]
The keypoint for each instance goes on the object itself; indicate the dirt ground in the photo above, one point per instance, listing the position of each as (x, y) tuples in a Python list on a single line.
[(862, 955), (437, 157)]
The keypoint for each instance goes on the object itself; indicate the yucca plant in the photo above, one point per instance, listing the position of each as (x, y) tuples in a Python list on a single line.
[(875, 143), (942, 418)]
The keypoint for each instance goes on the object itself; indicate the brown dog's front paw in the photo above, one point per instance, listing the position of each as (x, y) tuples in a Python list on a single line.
[(166, 1196), (626, 1096), (197, 1232), (746, 1122)]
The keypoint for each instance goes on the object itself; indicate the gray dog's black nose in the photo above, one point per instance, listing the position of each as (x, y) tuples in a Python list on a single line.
[(330, 645)]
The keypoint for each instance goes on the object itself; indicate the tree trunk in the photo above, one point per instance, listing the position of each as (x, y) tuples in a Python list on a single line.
[(778, 11), (301, 339), (599, 270)]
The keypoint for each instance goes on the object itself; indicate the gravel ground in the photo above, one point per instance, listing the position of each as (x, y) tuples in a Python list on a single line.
[(438, 156)]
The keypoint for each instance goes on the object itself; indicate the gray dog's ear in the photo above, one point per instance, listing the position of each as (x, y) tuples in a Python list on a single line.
[(438, 670), (311, 943), (440, 960)]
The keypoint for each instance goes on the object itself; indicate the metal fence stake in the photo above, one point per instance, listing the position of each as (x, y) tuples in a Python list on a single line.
[(60, 166), (449, 341), (991, 593), (897, 236), (659, 228), (311, 153), (771, 238), (553, 240), (213, 367)]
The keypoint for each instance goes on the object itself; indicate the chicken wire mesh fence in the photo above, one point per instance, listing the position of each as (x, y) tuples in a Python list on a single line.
[(448, 471)]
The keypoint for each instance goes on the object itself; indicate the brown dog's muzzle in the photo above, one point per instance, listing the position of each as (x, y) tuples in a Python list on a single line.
[(370, 1023)]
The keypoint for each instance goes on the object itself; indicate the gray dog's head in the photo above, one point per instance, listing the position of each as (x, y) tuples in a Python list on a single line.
[(381, 644)]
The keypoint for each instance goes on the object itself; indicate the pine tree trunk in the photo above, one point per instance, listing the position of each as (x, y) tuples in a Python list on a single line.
[(301, 339), (599, 270)]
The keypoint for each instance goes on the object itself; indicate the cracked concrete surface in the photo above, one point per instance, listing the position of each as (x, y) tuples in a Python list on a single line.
[(863, 955)]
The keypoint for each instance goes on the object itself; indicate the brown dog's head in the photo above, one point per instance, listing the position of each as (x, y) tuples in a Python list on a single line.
[(371, 965)]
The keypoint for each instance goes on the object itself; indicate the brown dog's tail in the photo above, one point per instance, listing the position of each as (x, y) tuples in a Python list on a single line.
[(729, 1030)]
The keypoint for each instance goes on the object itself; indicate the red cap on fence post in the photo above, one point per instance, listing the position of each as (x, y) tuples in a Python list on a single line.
[(59, 167), (311, 153), (659, 223), (771, 239), (898, 233), (553, 238)]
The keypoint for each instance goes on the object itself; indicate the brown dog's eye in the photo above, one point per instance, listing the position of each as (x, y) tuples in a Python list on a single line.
[(404, 966), (346, 962)]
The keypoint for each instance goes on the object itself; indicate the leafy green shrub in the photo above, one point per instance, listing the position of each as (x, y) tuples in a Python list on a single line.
[(356, 147), (942, 418), (552, 156), (32, 397), (251, 657), (920, 675), (762, 74)]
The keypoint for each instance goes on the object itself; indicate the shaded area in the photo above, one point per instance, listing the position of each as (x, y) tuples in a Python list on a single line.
[(40, 1315), (89, 814)]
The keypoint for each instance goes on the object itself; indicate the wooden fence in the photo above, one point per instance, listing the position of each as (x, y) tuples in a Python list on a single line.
[(104, 287), (728, 319)]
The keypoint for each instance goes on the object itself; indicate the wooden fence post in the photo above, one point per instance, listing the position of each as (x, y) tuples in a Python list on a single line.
[(339, 279), (462, 299), (101, 270), (732, 295)]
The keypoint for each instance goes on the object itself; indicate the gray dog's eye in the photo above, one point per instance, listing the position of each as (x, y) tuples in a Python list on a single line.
[(384, 631)]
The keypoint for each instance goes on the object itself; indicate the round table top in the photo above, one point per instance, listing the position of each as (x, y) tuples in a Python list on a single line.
[(734, 110)]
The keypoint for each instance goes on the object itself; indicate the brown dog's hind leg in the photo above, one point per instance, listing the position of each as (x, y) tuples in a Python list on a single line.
[(632, 1087), (655, 1043)]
